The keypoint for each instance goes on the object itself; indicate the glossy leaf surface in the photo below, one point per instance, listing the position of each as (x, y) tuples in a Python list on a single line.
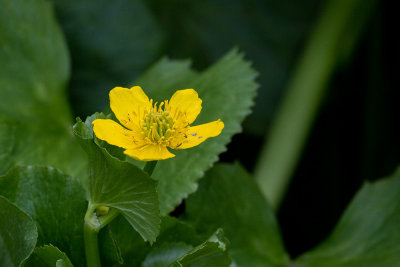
[(18, 234), (56, 202), (229, 198)]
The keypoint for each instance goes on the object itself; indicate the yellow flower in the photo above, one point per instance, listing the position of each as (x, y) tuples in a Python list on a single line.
[(151, 128)]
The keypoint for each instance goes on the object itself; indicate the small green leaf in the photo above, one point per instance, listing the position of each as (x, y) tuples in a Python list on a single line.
[(34, 111), (48, 256), (166, 254), (229, 198), (120, 185), (368, 232), (227, 90), (213, 252), (55, 201), (18, 234)]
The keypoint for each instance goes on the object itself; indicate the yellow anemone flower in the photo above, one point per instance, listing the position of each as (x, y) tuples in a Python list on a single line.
[(151, 128)]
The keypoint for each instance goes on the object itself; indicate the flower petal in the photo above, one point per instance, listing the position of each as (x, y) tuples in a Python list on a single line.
[(198, 134), (114, 134), (185, 102), (149, 152), (129, 105)]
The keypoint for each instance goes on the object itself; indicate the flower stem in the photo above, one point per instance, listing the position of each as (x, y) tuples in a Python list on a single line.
[(91, 246), (149, 167), (90, 231), (96, 217)]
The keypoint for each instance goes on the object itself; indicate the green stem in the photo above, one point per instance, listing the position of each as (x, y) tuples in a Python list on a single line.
[(149, 167), (288, 134), (91, 227), (90, 231)]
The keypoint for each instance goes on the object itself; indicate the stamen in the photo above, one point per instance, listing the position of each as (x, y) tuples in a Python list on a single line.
[(158, 124)]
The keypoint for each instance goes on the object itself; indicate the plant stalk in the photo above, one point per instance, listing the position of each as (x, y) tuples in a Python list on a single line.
[(334, 32), (90, 230), (91, 246)]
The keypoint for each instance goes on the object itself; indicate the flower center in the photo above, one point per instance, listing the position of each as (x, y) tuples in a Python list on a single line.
[(158, 123)]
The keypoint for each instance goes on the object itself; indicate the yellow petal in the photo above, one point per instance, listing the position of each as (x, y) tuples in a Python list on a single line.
[(187, 103), (129, 105), (149, 152), (198, 134), (114, 134)]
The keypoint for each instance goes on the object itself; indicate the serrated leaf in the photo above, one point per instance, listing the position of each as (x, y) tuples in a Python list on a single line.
[(120, 185), (48, 256), (229, 198), (55, 201), (110, 50), (227, 90), (367, 233), (32, 96), (18, 234), (213, 252)]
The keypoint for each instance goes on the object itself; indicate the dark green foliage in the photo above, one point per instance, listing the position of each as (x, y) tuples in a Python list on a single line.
[(229, 198), (110, 43), (55, 201), (368, 232), (18, 234), (34, 113)]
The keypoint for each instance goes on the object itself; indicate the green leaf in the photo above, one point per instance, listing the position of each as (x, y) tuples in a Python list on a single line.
[(166, 254), (229, 198), (18, 234), (227, 90), (49, 256), (132, 247), (213, 252), (33, 105), (111, 43), (55, 201), (368, 232), (120, 185)]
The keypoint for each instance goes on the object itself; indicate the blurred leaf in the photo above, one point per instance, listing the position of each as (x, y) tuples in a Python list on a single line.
[(368, 232), (227, 89), (18, 234), (49, 256), (55, 201), (229, 198), (7, 136), (213, 252), (120, 185), (111, 42), (132, 247), (269, 32), (33, 107), (166, 254)]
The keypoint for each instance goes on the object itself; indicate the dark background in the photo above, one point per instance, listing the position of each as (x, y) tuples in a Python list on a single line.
[(355, 136)]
